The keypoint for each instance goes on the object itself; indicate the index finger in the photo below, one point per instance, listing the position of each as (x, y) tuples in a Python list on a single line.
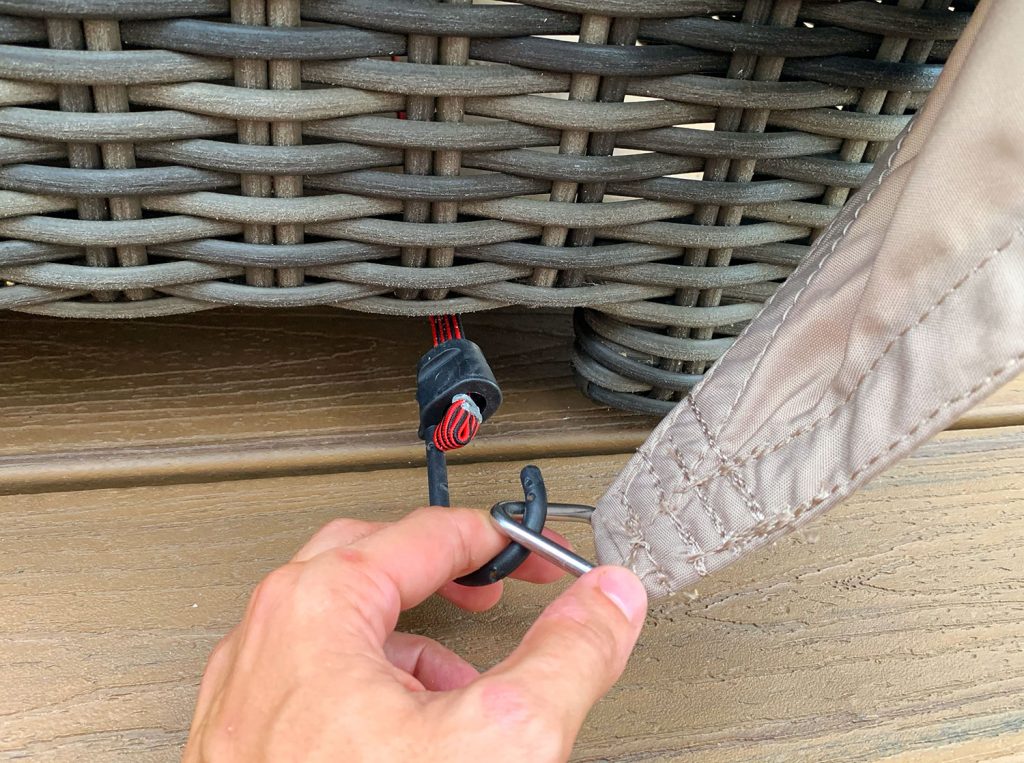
[(420, 553)]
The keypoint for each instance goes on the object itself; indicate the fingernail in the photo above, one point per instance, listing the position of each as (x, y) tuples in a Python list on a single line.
[(625, 591)]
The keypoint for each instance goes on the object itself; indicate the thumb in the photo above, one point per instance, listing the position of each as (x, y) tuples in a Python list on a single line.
[(575, 650)]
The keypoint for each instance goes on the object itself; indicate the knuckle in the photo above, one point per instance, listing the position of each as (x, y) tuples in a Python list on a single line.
[(218, 744), (319, 582), (272, 591), (216, 667), (219, 653), (349, 571), (598, 640), (351, 578), (463, 544), (343, 527), (344, 558), (468, 519), (461, 522), (425, 512)]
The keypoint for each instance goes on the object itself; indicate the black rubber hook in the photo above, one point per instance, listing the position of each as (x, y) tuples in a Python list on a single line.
[(535, 514)]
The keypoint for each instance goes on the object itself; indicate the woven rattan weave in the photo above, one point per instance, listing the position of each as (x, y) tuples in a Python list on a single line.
[(663, 164)]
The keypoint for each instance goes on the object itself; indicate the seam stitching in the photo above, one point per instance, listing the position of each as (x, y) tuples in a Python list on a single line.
[(758, 453), (663, 508), (796, 297), (637, 542), (787, 516), (632, 525), (702, 495), (732, 475)]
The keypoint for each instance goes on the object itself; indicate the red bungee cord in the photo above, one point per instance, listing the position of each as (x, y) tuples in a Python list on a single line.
[(462, 421)]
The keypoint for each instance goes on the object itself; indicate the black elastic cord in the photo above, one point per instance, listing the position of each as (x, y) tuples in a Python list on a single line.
[(437, 473), (456, 389), (535, 514)]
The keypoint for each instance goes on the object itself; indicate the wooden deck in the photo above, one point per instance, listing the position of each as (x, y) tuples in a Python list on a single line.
[(152, 472)]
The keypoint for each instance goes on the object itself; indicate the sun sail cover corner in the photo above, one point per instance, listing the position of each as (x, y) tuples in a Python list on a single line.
[(908, 311)]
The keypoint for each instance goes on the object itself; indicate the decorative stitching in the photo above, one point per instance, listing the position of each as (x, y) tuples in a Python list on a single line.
[(638, 543), (632, 471), (789, 515), (732, 475), (702, 495), (633, 526), (760, 452), (663, 508), (821, 264)]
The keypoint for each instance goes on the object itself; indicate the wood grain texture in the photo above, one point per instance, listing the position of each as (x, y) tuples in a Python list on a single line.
[(234, 394), (890, 630), (1005, 408)]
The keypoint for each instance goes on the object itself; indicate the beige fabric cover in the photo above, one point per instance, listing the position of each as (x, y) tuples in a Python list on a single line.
[(909, 310)]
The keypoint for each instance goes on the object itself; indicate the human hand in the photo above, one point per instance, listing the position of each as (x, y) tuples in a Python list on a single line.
[(316, 672)]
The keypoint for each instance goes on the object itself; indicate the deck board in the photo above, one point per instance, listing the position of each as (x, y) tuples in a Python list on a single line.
[(234, 394), (889, 630), (231, 394)]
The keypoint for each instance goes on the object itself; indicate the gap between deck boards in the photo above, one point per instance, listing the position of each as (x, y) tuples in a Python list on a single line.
[(283, 455), (259, 458), (241, 394)]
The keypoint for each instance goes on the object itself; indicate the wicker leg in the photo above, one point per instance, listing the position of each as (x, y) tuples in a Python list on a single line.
[(617, 375)]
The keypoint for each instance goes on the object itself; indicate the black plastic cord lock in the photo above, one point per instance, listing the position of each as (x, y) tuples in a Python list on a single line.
[(455, 367)]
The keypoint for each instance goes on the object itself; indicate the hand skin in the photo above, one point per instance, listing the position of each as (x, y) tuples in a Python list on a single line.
[(316, 671)]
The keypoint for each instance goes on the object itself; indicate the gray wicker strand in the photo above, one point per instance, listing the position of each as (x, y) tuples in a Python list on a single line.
[(659, 167)]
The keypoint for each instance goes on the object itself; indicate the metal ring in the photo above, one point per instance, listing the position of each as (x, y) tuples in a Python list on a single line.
[(502, 515), (514, 554)]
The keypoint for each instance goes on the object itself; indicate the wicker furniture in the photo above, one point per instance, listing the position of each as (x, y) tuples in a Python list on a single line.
[(414, 158)]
